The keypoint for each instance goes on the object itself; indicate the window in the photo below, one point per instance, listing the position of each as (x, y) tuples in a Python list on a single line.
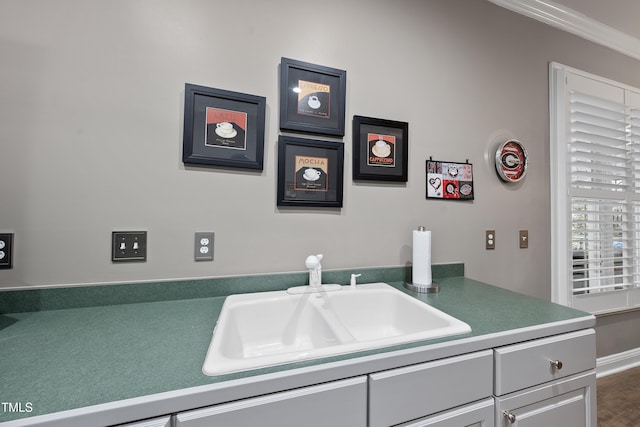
[(595, 191)]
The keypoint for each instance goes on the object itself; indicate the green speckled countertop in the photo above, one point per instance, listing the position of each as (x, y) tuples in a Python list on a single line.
[(63, 359)]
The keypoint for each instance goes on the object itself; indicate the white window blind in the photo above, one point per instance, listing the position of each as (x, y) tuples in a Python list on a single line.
[(595, 186)]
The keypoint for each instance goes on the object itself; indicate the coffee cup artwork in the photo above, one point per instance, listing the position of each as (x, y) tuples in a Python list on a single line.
[(314, 102), (381, 150), (311, 174), (226, 134), (225, 130), (314, 99)]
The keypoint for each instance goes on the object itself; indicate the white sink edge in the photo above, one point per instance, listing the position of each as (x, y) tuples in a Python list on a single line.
[(240, 365), (220, 365)]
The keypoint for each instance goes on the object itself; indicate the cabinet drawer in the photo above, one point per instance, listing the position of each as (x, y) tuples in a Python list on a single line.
[(530, 363), (412, 392), (340, 404), (156, 422)]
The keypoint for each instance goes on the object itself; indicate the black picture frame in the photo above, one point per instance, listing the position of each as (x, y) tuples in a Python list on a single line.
[(223, 128), (449, 180), (380, 149), (310, 172), (312, 98)]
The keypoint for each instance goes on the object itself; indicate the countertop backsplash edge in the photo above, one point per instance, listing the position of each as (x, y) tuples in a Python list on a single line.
[(59, 298)]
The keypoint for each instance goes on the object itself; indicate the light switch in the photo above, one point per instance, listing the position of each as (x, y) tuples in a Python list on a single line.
[(524, 239), (128, 246)]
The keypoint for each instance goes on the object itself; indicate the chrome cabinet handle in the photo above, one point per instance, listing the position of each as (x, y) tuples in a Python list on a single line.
[(509, 416), (556, 364)]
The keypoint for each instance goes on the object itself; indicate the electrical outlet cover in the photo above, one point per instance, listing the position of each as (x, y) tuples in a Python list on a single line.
[(203, 248), (128, 246), (6, 250), (490, 239)]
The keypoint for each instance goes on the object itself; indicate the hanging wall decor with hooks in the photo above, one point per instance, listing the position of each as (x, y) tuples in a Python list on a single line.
[(449, 180)]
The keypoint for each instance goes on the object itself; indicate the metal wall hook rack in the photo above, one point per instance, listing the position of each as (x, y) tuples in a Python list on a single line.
[(466, 161)]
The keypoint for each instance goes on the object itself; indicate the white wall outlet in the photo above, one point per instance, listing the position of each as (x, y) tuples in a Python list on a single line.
[(490, 239), (203, 249), (6, 250)]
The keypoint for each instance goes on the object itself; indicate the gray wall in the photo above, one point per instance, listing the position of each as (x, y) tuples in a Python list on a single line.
[(617, 333), (91, 109)]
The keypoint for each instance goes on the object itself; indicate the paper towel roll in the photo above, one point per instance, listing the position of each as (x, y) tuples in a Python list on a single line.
[(421, 257)]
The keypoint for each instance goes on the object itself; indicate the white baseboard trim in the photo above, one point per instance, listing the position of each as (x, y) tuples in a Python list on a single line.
[(619, 362), (564, 18)]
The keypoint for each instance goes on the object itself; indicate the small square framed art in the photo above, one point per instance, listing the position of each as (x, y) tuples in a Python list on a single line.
[(223, 128), (312, 98), (310, 172), (380, 149)]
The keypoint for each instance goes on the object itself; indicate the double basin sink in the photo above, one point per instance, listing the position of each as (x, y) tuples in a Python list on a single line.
[(270, 328)]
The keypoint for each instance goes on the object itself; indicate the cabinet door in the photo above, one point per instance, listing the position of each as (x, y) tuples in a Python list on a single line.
[(570, 402), (335, 404), (409, 393), (156, 422), (480, 414)]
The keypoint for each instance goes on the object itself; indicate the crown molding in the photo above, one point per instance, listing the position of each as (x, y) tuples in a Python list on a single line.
[(574, 22)]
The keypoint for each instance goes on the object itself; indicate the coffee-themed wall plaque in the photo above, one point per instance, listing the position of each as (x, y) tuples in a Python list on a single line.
[(449, 180), (312, 98), (310, 172), (223, 128), (380, 149)]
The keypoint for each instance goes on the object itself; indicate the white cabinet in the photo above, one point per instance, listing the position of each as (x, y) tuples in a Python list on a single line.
[(570, 402), (479, 414), (336, 404), (543, 382), (408, 393), (155, 422), (534, 362), (547, 382)]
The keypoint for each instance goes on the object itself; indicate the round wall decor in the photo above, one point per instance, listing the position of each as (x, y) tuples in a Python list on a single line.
[(511, 161)]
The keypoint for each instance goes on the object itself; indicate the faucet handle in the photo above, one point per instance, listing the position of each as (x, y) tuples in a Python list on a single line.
[(353, 280), (313, 261)]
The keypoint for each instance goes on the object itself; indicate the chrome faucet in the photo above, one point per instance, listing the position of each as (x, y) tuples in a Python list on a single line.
[(315, 269)]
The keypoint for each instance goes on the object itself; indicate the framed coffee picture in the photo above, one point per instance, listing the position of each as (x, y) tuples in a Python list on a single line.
[(312, 98), (310, 172), (380, 149), (223, 128), (449, 180)]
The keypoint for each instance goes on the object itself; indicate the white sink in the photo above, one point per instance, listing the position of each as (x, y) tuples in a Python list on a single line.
[(380, 312), (271, 328)]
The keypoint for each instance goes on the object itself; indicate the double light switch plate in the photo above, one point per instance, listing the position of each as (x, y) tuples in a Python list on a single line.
[(127, 246)]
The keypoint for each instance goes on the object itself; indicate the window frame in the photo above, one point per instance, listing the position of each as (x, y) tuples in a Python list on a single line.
[(561, 201)]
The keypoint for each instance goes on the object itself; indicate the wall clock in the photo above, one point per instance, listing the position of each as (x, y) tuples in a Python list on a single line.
[(511, 161)]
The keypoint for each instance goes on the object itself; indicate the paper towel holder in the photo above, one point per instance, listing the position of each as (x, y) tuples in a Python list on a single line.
[(433, 287), (426, 289)]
